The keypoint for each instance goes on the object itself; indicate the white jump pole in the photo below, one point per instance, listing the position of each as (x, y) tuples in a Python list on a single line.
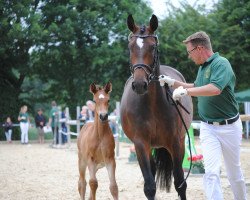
[(67, 125), (59, 126), (117, 121), (78, 120)]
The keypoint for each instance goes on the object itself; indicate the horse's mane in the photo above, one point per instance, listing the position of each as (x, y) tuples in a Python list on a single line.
[(142, 29), (99, 87)]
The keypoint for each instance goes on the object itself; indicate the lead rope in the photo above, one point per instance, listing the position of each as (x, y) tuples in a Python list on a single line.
[(189, 142)]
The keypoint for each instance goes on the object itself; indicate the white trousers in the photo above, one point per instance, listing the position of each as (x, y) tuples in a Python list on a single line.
[(216, 141), (24, 132), (8, 135)]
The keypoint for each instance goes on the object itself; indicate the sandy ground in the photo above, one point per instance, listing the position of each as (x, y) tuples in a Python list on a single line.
[(39, 172)]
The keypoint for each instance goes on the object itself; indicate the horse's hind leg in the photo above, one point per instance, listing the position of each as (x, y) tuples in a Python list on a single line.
[(93, 184), (82, 182), (111, 165), (143, 153)]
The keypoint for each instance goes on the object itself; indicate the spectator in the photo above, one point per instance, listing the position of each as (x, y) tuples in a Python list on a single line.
[(54, 122), (90, 111), (23, 117), (8, 129), (40, 123), (112, 122), (83, 114)]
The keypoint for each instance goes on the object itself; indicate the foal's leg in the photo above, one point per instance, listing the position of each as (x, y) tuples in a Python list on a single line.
[(93, 184), (180, 185), (143, 154), (111, 165), (82, 182)]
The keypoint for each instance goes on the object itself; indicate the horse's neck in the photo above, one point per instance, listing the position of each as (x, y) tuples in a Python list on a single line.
[(156, 95), (100, 127)]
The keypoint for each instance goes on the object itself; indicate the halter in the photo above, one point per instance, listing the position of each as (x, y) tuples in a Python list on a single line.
[(150, 70)]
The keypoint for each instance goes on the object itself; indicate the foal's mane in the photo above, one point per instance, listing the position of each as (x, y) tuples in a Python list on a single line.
[(142, 29), (99, 87)]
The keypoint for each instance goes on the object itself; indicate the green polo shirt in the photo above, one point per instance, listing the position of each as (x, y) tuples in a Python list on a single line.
[(54, 115), (218, 71), (24, 117)]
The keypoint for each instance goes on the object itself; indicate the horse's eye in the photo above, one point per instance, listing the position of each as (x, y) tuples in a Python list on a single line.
[(154, 46), (108, 101), (94, 101)]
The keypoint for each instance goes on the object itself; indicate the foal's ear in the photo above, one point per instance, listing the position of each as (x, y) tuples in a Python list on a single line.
[(153, 23), (92, 88), (108, 87), (131, 23)]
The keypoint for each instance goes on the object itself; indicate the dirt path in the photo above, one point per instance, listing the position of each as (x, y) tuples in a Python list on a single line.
[(39, 172)]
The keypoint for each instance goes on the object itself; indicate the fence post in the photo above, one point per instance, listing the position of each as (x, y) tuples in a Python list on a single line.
[(78, 120), (67, 125), (117, 121), (60, 125)]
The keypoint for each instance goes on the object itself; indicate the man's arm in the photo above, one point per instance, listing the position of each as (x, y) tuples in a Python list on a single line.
[(206, 90)]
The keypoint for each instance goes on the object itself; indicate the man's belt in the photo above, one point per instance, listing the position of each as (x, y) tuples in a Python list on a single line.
[(224, 122)]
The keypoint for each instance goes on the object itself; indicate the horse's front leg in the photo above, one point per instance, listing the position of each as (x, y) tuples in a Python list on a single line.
[(93, 183), (143, 152), (111, 165), (180, 185), (82, 182)]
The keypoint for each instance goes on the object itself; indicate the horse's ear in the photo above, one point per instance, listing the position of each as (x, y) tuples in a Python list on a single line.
[(92, 88), (108, 87), (131, 23), (153, 23)]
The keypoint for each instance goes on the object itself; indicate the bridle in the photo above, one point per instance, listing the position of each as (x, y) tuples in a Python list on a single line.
[(150, 70)]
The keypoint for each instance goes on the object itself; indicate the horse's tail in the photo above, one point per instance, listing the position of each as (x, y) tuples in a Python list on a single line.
[(164, 168)]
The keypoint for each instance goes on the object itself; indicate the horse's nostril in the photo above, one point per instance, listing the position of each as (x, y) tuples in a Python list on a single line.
[(103, 117), (145, 86), (133, 85)]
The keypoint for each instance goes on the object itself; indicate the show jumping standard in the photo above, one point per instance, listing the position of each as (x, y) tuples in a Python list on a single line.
[(148, 115), (96, 145)]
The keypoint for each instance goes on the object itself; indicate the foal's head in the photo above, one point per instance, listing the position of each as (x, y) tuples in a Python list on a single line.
[(101, 97), (143, 53)]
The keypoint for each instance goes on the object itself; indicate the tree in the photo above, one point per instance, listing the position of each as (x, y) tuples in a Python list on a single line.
[(83, 42), (232, 18), (17, 35)]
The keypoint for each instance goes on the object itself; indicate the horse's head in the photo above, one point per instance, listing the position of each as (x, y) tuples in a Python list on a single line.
[(143, 53), (101, 97)]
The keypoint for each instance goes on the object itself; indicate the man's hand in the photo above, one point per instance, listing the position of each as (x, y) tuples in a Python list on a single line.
[(179, 93), (166, 79)]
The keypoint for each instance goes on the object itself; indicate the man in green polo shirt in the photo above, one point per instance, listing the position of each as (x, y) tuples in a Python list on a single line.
[(221, 128)]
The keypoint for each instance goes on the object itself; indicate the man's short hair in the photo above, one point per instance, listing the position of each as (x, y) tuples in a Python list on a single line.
[(199, 38)]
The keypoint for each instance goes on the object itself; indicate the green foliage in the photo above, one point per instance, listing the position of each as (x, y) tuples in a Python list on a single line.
[(232, 18), (81, 45), (228, 26), (53, 50)]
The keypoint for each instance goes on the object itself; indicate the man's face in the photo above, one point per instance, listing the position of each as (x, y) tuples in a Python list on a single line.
[(194, 53)]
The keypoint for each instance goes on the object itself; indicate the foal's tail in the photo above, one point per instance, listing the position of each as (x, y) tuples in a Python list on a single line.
[(164, 168)]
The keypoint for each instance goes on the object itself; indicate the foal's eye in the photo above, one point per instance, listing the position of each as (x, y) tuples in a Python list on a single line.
[(108, 101), (153, 46)]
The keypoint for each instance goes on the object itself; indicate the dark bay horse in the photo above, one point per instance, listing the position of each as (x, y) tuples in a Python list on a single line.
[(148, 116), (96, 145)]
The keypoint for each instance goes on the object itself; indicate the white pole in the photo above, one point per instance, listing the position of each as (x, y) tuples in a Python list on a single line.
[(68, 126), (78, 120), (60, 125), (117, 121)]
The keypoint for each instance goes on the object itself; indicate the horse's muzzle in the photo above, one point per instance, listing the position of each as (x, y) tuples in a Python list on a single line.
[(103, 117), (140, 87)]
